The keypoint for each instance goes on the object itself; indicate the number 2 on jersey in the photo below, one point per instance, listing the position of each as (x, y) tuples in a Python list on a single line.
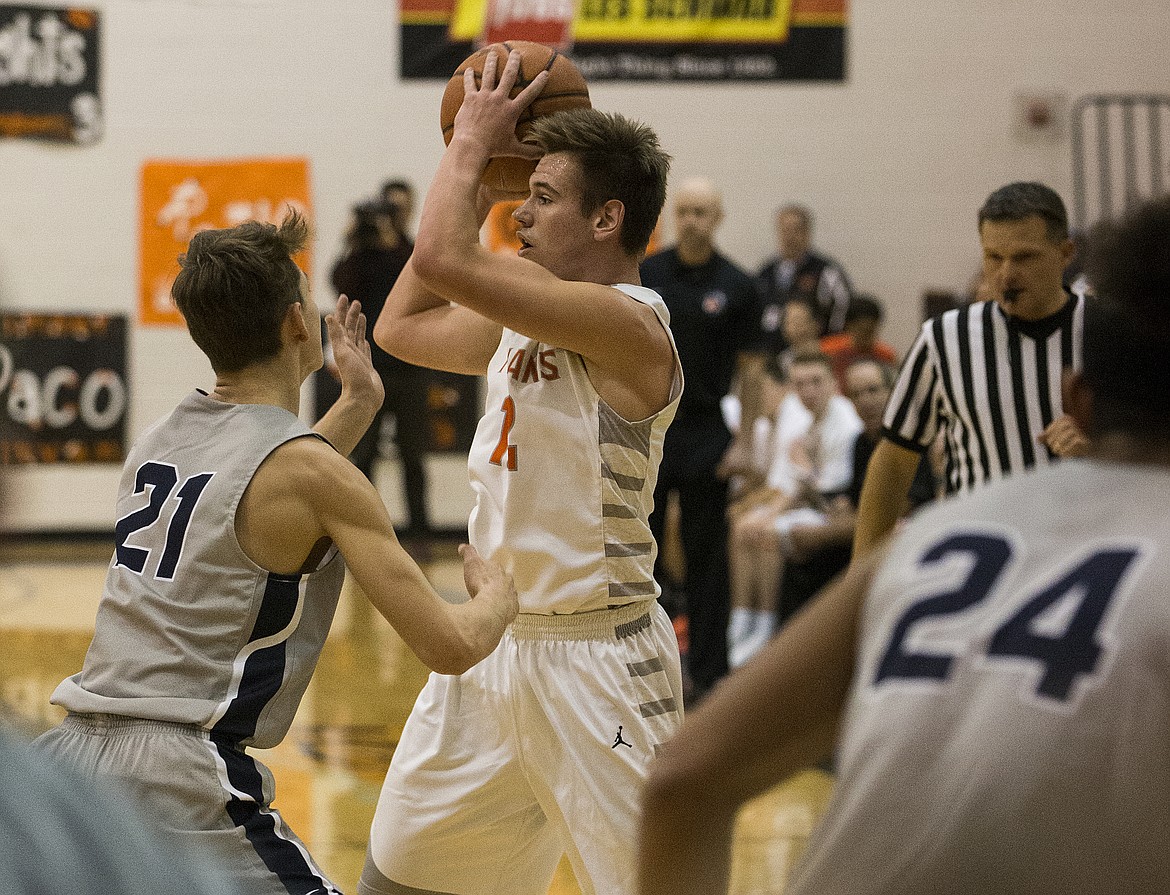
[(1082, 594), (505, 451)]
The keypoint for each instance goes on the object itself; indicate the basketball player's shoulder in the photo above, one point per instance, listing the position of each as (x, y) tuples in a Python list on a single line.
[(308, 464)]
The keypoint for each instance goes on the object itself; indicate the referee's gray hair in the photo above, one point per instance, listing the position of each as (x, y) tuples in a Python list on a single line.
[(1023, 199)]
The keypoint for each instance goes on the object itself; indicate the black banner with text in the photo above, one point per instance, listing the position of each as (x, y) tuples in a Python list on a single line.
[(49, 67), (63, 392), (638, 40)]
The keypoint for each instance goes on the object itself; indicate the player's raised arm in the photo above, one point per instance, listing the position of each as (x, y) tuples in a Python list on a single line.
[(558, 290), (421, 328)]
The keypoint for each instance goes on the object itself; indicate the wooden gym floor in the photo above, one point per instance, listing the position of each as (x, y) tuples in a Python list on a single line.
[(329, 769)]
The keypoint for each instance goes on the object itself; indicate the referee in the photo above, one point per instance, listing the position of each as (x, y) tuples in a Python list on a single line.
[(988, 375)]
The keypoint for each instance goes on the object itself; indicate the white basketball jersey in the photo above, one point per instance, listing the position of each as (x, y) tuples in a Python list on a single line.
[(563, 485), (1008, 730)]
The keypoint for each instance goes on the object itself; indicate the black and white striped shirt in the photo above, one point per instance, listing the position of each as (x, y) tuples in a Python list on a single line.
[(990, 383)]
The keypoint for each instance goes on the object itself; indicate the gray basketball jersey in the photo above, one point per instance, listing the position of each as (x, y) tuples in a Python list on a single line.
[(1008, 729), (189, 629)]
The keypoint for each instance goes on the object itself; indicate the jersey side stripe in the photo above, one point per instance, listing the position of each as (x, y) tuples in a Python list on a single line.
[(258, 672), (264, 827)]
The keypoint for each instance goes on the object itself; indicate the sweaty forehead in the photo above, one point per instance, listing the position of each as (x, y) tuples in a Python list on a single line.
[(559, 171)]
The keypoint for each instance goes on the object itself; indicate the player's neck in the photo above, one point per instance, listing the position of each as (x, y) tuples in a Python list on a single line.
[(258, 384), (620, 270)]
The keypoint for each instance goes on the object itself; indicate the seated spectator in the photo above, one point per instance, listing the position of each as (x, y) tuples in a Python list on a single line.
[(802, 330), (802, 327), (782, 418), (797, 272), (807, 472), (816, 550), (859, 341)]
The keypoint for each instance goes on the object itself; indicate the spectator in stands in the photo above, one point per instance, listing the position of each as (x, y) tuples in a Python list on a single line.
[(714, 316), (817, 550), (796, 271), (859, 341), (802, 326), (807, 473)]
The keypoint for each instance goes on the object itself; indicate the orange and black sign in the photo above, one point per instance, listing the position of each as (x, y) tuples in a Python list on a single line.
[(638, 40), (49, 67), (63, 391), (180, 198)]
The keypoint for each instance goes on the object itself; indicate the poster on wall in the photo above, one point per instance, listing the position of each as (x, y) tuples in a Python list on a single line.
[(63, 388), (49, 73), (181, 198), (638, 40)]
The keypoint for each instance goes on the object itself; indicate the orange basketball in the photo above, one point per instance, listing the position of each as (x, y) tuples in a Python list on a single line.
[(565, 89)]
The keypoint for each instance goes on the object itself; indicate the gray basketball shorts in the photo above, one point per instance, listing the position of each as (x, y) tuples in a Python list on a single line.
[(212, 798)]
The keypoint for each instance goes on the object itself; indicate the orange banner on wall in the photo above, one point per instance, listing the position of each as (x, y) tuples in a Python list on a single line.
[(181, 198)]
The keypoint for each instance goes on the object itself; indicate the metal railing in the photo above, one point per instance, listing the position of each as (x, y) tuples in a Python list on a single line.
[(1120, 153)]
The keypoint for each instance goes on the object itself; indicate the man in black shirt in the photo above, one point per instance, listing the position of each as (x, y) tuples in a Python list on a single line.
[(377, 250), (796, 271), (714, 316)]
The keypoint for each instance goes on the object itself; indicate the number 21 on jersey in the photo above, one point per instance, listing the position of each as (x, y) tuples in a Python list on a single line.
[(1055, 624), (158, 480)]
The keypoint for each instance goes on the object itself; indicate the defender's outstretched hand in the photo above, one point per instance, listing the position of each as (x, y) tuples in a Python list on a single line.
[(351, 353)]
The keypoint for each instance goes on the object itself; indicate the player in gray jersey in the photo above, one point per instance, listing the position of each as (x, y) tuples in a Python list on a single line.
[(233, 517), (996, 679)]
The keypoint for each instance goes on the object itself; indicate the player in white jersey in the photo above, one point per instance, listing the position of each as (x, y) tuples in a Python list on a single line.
[(542, 748), (999, 674), (232, 514)]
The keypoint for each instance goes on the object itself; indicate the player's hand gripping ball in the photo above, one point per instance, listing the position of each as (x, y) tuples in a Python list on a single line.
[(565, 89)]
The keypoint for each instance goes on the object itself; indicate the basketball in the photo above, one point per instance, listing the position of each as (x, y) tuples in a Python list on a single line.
[(565, 89)]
